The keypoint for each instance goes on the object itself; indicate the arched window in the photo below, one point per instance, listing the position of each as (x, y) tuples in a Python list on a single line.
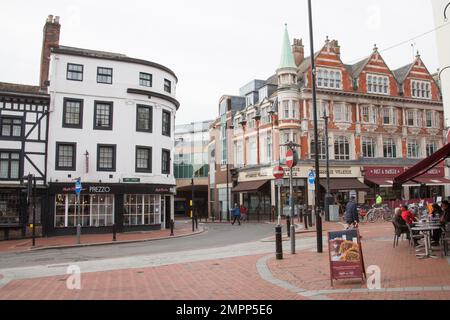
[(341, 148)]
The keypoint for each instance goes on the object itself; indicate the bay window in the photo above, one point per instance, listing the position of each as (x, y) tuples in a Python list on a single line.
[(342, 112)]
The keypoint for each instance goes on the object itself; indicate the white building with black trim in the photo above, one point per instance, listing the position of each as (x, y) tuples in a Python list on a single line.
[(23, 146), (112, 126)]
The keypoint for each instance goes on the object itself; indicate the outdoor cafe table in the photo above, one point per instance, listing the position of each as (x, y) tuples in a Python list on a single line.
[(426, 229)]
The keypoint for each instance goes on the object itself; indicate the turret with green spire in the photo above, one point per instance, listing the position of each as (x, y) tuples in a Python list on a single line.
[(287, 57)]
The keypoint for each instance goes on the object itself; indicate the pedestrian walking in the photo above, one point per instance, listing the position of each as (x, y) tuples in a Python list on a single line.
[(351, 214), (243, 211), (236, 214)]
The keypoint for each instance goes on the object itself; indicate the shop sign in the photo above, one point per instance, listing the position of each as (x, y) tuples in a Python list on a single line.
[(99, 189), (383, 172), (345, 254), (131, 180)]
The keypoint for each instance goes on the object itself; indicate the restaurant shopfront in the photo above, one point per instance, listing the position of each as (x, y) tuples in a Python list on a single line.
[(131, 207), (428, 185)]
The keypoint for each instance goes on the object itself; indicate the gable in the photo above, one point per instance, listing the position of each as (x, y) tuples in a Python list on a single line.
[(376, 65), (420, 72)]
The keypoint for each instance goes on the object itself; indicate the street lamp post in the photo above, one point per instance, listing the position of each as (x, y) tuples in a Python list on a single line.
[(193, 176), (316, 134), (328, 196), (228, 169), (272, 113)]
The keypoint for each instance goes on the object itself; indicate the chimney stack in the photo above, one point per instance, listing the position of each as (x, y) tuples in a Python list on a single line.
[(299, 51), (335, 47), (50, 40)]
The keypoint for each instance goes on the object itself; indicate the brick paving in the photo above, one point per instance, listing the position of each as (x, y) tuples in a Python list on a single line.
[(399, 269), (227, 279), (93, 239), (301, 276)]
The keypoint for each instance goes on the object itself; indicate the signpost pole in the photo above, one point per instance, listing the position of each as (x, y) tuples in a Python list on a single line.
[(77, 206), (291, 191), (34, 211)]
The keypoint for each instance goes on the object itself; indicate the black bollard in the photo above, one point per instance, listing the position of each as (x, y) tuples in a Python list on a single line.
[(305, 219), (171, 227), (114, 232), (288, 227), (196, 223), (278, 243)]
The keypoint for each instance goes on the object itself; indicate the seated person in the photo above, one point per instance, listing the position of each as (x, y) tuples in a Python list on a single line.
[(436, 211), (407, 216), (445, 217), (400, 224)]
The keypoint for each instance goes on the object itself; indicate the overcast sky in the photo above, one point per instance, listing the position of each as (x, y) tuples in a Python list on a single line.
[(214, 47)]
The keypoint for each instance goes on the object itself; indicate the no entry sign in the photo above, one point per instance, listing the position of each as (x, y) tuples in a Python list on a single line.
[(278, 172), (291, 158)]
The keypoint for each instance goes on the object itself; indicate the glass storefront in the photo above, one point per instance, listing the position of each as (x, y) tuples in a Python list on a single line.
[(9, 208), (90, 211), (299, 190), (141, 209)]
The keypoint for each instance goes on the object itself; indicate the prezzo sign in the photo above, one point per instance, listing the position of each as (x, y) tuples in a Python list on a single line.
[(98, 189)]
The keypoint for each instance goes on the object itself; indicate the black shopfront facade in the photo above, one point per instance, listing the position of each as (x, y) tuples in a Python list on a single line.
[(131, 207)]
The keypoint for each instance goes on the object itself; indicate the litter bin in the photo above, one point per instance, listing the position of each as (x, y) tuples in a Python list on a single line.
[(334, 213)]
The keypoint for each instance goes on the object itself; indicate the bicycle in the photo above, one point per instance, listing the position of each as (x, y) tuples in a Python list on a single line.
[(384, 213)]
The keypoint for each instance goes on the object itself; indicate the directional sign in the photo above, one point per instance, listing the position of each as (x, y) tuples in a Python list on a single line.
[(312, 177), (78, 187), (278, 172)]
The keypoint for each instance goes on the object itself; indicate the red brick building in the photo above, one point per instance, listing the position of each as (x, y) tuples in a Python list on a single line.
[(379, 118)]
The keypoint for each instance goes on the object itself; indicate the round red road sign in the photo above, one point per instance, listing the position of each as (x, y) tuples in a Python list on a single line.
[(290, 159), (278, 172)]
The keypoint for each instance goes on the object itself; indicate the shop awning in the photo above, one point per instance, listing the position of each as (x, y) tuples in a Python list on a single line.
[(344, 184), (387, 182), (251, 186), (433, 181), (424, 166)]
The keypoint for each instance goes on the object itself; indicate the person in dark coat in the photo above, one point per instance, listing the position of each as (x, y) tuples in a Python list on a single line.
[(351, 214), (236, 214)]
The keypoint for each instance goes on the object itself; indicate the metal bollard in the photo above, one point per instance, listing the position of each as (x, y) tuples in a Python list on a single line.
[(293, 238), (305, 219), (196, 223), (278, 243), (114, 232), (78, 234), (288, 227), (171, 227)]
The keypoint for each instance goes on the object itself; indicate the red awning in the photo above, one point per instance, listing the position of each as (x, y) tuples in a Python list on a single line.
[(424, 166), (433, 181), (387, 182)]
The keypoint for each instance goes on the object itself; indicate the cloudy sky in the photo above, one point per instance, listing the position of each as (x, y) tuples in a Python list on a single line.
[(213, 46)]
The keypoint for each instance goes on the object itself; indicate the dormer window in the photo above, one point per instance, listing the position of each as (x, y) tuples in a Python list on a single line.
[(329, 78), (421, 89), (377, 84)]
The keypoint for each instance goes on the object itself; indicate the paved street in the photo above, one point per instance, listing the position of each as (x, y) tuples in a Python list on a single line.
[(226, 262), (216, 235)]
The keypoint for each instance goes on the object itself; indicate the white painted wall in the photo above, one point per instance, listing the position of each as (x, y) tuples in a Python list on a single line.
[(124, 134), (443, 46)]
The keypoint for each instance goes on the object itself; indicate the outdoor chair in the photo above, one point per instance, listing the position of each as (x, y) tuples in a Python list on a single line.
[(413, 237), (445, 239), (397, 234)]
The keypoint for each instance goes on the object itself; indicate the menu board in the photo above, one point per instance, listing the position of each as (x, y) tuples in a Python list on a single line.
[(346, 258)]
